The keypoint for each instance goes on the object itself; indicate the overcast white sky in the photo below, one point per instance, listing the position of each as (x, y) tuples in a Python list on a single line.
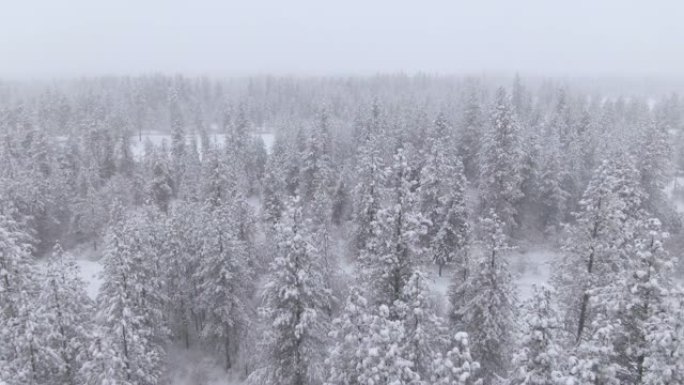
[(551, 37)]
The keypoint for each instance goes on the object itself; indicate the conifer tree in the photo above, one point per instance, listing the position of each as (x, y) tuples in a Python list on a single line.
[(500, 160), (274, 185), (21, 346), (178, 145), (654, 163), (383, 357), (538, 359), (596, 245), (224, 282), (452, 241), (470, 142), (296, 305), (487, 305), (664, 358), (128, 307), (161, 186), (457, 366), (348, 332), (67, 310), (425, 331), (646, 292), (367, 193), (316, 171), (397, 230)]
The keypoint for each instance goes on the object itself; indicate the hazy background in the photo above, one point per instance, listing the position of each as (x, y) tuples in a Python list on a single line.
[(92, 37)]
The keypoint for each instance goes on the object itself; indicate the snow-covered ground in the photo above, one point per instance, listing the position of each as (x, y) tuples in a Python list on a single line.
[(196, 367), (91, 274), (675, 191), (532, 267), (158, 138), (529, 267)]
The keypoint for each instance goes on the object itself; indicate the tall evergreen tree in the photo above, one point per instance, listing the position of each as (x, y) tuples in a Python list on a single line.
[(487, 305), (224, 280), (388, 266), (128, 307), (453, 238), (67, 309), (538, 360), (471, 132), (296, 305), (501, 156)]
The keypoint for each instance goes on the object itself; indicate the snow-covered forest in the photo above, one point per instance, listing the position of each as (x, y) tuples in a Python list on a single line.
[(379, 230)]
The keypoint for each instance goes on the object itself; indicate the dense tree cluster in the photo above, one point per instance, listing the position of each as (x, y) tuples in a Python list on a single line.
[(310, 260)]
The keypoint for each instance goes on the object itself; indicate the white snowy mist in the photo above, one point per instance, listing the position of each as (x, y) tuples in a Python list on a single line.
[(40, 38)]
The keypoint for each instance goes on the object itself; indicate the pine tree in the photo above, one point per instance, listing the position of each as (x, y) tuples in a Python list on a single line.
[(593, 360), (296, 304), (486, 306), (470, 142), (127, 306), (161, 186), (595, 247), (67, 309), (341, 200), (316, 171), (367, 194), (178, 146), (538, 358), (29, 359), (215, 177), (224, 282), (646, 292), (274, 185), (425, 331), (349, 331), (654, 163), (435, 176), (452, 240), (383, 358), (180, 259), (501, 156), (236, 147), (16, 267), (551, 196), (590, 276), (456, 367), (104, 366), (520, 98), (388, 266), (664, 359), (21, 348)]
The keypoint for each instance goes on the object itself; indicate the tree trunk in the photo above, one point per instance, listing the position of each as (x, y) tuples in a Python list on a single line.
[(229, 363), (186, 333), (585, 301), (125, 352)]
